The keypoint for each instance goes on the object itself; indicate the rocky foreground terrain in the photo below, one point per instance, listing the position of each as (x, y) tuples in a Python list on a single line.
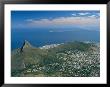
[(73, 59)]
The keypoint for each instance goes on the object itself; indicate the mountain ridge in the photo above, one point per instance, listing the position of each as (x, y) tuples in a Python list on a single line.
[(55, 61)]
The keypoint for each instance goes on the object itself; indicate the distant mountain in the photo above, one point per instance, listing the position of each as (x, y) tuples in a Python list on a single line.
[(68, 59)]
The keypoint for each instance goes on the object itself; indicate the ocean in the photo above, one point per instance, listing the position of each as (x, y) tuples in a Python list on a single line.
[(41, 37)]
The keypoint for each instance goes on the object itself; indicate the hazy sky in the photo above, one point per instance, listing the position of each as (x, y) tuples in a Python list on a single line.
[(55, 19)]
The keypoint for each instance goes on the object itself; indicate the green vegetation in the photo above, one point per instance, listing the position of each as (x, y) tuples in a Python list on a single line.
[(73, 59)]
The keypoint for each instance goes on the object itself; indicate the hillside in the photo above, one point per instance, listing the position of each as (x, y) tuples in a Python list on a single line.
[(73, 59)]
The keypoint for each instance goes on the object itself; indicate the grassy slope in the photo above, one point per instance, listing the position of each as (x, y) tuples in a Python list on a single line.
[(52, 61)]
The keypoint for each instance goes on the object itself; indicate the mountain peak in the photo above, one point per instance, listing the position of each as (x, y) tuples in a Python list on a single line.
[(26, 44)]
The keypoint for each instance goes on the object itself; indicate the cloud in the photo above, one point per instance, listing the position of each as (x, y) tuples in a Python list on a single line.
[(87, 14), (65, 21), (81, 13), (92, 16), (74, 14), (84, 13)]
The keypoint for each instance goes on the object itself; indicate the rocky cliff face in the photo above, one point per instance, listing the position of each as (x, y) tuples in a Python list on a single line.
[(26, 45)]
